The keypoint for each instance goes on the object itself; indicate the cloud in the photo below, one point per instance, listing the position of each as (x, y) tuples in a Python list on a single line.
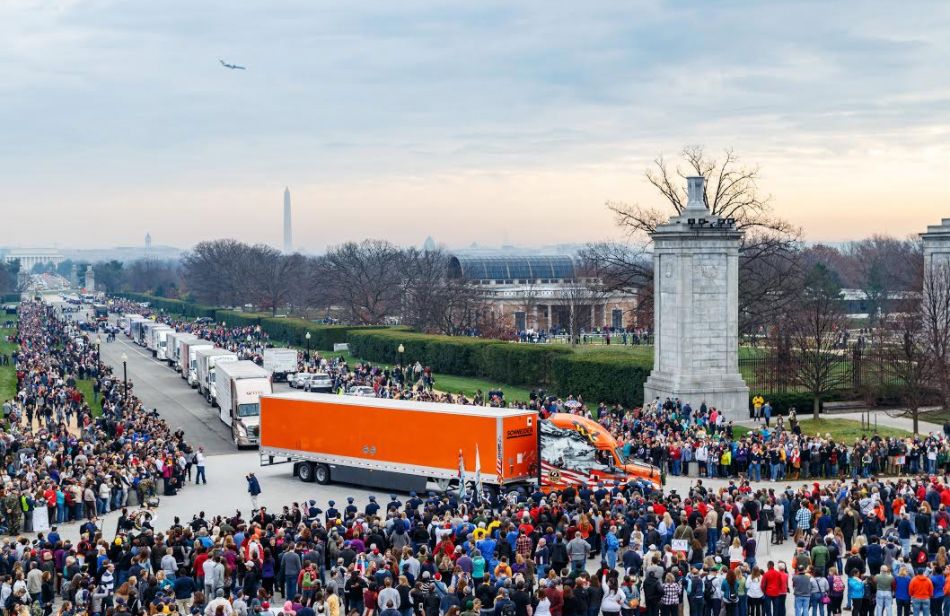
[(125, 103)]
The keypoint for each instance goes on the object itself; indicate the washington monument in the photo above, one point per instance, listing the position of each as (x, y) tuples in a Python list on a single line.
[(288, 231)]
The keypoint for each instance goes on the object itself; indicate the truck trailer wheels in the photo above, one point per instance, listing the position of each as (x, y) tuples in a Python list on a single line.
[(305, 472), (310, 472)]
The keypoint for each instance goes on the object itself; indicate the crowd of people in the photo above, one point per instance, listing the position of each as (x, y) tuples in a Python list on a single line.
[(63, 462), (862, 542)]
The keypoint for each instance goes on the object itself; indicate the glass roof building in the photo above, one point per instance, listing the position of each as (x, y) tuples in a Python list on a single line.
[(513, 269)]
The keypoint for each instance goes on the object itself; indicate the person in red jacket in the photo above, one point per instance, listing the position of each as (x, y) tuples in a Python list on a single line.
[(775, 589)]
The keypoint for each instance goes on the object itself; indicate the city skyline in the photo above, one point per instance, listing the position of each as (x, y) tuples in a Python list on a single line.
[(422, 119)]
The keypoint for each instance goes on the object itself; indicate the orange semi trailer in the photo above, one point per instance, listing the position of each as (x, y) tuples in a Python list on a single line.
[(408, 445)]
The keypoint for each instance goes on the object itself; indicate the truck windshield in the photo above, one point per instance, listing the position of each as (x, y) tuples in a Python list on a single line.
[(619, 453), (249, 410)]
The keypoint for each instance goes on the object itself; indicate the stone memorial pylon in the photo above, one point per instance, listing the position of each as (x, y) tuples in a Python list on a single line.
[(696, 309)]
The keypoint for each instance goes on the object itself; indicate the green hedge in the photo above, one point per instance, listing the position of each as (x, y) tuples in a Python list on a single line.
[(175, 306), (600, 377), (505, 362), (10, 298)]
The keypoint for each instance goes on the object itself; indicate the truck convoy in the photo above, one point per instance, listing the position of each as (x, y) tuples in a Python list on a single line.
[(376, 442), (281, 363), (207, 359), (239, 386), (188, 359)]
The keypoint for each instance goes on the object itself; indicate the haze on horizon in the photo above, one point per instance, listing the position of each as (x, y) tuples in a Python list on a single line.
[(463, 121)]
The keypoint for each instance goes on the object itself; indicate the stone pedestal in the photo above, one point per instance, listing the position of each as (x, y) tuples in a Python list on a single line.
[(696, 310), (937, 244)]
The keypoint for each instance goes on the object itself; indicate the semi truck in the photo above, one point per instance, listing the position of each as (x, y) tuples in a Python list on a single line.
[(135, 328), (188, 359), (162, 344), (125, 322), (281, 363), (153, 337), (177, 361), (207, 359), (418, 446), (239, 386), (147, 329)]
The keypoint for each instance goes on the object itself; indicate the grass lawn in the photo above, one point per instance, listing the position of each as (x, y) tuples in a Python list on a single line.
[(453, 384), (7, 373), (85, 386), (841, 430)]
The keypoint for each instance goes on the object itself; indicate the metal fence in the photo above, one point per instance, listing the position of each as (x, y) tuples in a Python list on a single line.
[(850, 371)]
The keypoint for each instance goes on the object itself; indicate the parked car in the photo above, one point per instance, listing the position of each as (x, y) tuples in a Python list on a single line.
[(296, 381), (362, 391), (318, 382)]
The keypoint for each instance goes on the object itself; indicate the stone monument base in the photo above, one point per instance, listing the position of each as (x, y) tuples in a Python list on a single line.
[(727, 393)]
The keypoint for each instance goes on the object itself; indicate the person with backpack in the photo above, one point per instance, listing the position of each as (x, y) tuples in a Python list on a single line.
[(652, 593), (836, 586), (695, 591)]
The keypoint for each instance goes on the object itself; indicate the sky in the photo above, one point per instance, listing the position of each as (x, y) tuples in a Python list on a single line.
[(484, 121)]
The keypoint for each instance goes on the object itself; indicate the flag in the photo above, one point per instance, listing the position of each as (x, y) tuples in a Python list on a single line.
[(478, 473), (461, 476)]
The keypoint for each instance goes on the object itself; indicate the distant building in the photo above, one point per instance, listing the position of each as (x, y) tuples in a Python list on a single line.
[(148, 245), (30, 257), (429, 244), (543, 292), (288, 227)]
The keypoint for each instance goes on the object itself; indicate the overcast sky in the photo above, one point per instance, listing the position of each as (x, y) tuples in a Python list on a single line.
[(483, 121)]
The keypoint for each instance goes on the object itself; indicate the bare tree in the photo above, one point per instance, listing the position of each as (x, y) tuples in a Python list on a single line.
[(627, 268), (884, 266), (908, 361), (580, 295), (365, 280), (814, 327), (935, 323), (770, 243), (432, 300), (274, 276), (215, 272)]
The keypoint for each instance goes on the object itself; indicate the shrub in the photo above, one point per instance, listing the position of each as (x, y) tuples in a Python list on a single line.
[(505, 362), (600, 377), (174, 306)]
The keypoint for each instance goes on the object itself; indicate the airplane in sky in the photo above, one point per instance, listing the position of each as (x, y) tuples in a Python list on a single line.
[(232, 66)]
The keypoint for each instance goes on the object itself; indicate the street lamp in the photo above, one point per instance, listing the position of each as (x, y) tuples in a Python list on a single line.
[(307, 356), (98, 352), (401, 350), (125, 379)]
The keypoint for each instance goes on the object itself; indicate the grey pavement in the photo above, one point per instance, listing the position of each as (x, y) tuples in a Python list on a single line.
[(160, 387)]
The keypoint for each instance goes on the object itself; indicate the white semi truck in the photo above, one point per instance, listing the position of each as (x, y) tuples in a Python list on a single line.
[(239, 386), (155, 337), (179, 361), (188, 360), (281, 363), (208, 359)]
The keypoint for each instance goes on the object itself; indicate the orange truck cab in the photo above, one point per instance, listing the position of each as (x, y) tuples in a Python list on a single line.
[(576, 450), (418, 446)]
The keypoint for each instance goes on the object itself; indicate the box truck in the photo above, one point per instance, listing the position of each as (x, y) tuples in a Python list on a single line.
[(281, 363), (147, 329), (188, 359), (239, 386), (207, 359), (419, 446)]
